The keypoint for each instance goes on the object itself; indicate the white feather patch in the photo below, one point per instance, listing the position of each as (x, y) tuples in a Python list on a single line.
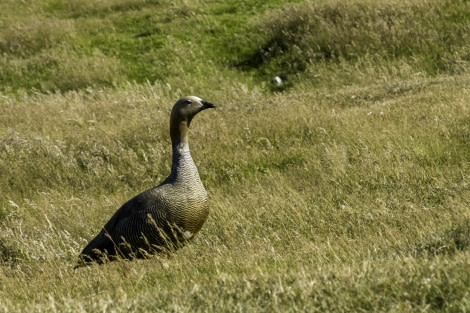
[(188, 235)]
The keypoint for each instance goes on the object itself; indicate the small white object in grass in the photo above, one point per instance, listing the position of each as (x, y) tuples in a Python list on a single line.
[(278, 81)]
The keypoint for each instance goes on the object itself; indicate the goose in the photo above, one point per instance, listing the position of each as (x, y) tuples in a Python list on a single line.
[(163, 218)]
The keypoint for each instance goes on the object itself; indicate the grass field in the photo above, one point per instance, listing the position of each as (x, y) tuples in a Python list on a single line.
[(346, 189)]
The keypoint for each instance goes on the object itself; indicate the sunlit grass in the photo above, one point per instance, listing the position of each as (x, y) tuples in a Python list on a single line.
[(346, 192), (321, 194)]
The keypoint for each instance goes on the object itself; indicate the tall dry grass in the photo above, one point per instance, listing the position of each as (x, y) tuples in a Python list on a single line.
[(322, 197), (346, 191)]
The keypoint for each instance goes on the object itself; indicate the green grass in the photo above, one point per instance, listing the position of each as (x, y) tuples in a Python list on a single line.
[(344, 191)]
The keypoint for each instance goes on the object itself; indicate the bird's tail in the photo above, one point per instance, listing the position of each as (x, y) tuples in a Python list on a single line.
[(100, 250)]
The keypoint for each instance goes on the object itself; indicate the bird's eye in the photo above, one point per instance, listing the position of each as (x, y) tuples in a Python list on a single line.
[(187, 102)]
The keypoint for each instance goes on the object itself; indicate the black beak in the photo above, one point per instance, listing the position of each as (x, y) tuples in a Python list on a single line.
[(207, 105)]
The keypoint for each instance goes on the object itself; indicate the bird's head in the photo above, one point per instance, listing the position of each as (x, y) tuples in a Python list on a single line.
[(183, 112), (186, 108)]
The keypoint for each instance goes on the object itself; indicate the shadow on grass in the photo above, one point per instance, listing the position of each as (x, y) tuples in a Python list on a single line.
[(454, 240)]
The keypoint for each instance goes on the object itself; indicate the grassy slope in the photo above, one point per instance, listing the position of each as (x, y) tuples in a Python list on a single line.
[(346, 192)]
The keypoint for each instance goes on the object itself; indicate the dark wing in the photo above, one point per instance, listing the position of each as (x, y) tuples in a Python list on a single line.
[(102, 247)]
